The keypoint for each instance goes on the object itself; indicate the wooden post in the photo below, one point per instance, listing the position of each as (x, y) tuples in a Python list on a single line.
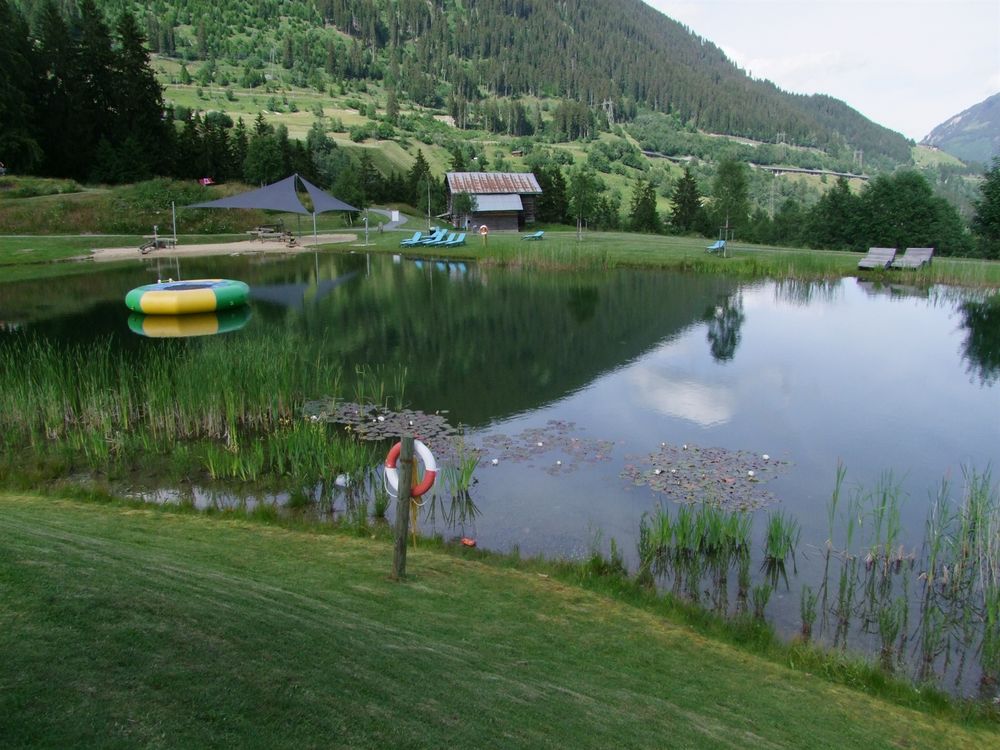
[(405, 465)]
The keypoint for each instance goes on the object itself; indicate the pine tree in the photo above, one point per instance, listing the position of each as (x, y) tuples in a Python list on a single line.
[(392, 106), (730, 195), (64, 134), (458, 160), (986, 221), (18, 144), (98, 84), (833, 221), (551, 206), (643, 216), (139, 101), (417, 177), (687, 203)]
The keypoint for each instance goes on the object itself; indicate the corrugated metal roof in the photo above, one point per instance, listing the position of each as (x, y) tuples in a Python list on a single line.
[(507, 202), (484, 183)]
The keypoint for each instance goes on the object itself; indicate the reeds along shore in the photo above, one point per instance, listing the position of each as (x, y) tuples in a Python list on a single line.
[(930, 609)]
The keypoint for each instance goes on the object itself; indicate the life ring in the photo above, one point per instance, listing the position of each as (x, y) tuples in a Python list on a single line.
[(392, 474), (484, 230)]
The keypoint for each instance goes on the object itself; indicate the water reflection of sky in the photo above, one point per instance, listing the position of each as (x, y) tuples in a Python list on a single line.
[(874, 381)]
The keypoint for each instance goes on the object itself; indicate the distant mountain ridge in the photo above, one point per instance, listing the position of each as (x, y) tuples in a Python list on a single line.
[(971, 135), (441, 53)]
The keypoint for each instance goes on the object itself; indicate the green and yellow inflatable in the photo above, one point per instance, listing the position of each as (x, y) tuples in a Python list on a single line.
[(186, 297)]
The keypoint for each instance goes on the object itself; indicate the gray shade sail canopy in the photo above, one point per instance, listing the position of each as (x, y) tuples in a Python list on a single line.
[(281, 196)]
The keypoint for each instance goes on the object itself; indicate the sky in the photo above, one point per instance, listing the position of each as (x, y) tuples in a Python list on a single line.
[(906, 64)]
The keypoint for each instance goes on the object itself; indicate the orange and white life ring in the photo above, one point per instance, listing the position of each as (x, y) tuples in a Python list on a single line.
[(392, 473), (484, 230)]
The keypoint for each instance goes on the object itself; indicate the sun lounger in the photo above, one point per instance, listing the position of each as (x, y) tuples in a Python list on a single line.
[(460, 240), (442, 241), (415, 239), (535, 236), (914, 257), (432, 239), (878, 257), (719, 246)]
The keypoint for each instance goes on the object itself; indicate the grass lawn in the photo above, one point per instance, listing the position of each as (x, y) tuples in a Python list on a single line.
[(30, 256), (561, 249), (126, 627)]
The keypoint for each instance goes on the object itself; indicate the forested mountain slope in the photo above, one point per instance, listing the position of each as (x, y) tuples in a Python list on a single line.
[(618, 55), (971, 135)]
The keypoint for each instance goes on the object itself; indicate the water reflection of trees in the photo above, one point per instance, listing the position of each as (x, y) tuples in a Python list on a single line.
[(981, 348), (803, 293), (724, 324)]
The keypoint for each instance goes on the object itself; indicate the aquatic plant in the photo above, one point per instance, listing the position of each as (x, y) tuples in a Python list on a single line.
[(760, 595), (891, 619), (807, 610), (779, 544)]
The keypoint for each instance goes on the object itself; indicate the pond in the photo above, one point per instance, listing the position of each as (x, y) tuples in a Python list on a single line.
[(595, 398)]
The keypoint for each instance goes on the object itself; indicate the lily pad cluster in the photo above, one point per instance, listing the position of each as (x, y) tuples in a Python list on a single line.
[(690, 473), (371, 422), (554, 446)]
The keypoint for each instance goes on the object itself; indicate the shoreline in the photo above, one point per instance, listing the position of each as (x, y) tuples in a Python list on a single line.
[(239, 247)]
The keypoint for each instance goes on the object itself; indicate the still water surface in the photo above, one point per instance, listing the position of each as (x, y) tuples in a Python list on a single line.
[(879, 378)]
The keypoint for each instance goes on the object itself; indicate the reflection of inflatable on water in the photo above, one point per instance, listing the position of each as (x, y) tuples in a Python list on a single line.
[(185, 297), (198, 324)]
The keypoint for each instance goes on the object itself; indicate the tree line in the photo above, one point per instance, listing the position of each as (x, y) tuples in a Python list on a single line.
[(892, 210)]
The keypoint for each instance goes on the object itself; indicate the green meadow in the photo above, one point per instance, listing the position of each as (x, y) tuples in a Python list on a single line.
[(127, 626)]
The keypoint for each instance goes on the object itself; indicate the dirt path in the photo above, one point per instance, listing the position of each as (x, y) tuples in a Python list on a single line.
[(306, 243)]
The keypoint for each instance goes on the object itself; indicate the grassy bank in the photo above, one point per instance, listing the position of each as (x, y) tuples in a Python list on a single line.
[(131, 627), (602, 250), (129, 212)]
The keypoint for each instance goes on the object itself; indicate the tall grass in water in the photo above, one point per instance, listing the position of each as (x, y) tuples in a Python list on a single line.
[(955, 594), (380, 386), (695, 542), (807, 611), (779, 544), (180, 390)]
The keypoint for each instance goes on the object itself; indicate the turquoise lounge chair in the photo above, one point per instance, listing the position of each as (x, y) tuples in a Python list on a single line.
[(460, 240), (438, 234), (536, 236), (415, 239), (442, 241), (719, 246)]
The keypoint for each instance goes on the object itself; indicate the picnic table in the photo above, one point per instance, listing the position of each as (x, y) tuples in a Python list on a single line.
[(157, 243), (264, 233)]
